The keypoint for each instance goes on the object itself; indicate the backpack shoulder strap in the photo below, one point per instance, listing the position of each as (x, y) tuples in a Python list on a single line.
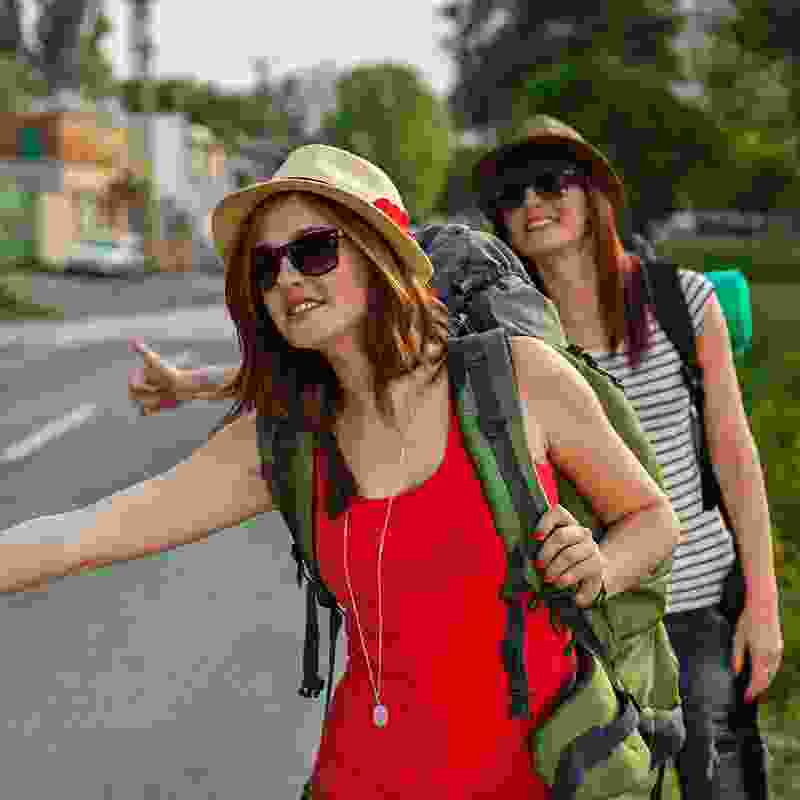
[(666, 297), (665, 294), (287, 454), (484, 370)]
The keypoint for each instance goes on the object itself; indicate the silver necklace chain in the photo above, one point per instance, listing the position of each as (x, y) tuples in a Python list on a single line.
[(380, 714)]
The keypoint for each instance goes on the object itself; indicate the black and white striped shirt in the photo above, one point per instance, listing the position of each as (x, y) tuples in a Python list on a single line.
[(657, 392)]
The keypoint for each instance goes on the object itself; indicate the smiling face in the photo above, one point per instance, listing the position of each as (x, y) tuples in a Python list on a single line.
[(338, 299), (546, 225)]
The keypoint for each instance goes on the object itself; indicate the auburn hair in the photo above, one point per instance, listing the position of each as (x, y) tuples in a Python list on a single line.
[(405, 327), (624, 311)]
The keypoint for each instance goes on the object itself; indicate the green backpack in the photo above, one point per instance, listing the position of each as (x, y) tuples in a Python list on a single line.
[(615, 729)]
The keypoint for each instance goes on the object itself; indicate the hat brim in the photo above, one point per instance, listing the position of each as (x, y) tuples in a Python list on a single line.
[(231, 213), (601, 170)]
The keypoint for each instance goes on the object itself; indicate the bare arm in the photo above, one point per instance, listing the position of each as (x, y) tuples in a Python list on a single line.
[(206, 380), (735, 457), (217, 487), (642, 526)]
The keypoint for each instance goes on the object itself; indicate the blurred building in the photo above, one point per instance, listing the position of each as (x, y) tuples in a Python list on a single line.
[(64, 176), (69, 176)]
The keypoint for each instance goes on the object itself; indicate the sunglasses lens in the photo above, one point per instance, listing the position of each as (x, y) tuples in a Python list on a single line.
[(266, 265), (313, 254), (512, 196), (548, 182), (316, 253)]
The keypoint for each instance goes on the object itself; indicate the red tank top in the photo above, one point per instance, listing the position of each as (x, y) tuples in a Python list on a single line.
[(443, 681)]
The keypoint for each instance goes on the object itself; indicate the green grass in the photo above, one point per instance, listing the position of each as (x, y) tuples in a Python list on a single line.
[(28, 265), (16, 304), (770, 378)]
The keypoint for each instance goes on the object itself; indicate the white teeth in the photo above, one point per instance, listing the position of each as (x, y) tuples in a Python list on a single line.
[(303, 307), (540, 223)]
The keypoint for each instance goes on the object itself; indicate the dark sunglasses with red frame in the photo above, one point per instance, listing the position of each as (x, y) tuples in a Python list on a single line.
[(314, 253)]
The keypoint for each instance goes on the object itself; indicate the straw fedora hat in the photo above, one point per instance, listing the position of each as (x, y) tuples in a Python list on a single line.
[(544, 130), (335, 175)]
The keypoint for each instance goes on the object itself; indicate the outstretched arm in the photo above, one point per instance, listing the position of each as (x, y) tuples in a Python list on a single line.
[(217, 487)]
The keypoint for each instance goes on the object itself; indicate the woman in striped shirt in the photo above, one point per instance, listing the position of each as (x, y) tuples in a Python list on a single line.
[(553, 197)]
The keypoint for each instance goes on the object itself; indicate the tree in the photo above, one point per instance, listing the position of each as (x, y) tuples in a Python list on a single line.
[(19, 84), (748, 95), (387, 114), (96, 70), (63, 55), (229, 115), (768, 29), (499, 45)]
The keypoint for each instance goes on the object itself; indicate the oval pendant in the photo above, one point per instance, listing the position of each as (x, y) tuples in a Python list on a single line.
[(380, 715)]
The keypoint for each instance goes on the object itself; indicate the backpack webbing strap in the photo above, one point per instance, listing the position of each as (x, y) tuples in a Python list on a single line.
[(658, 789), (486, 358), (664, 734), (470, 355), (592, 747), (663, 290)]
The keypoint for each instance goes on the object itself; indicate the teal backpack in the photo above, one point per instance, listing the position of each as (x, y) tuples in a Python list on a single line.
[(617, 726)]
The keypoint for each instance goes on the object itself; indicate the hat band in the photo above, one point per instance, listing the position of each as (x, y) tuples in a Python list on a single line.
[(391, 209), (394, 212)]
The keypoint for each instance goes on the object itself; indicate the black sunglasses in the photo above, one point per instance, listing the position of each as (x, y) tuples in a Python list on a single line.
[(548, 180), (314, 253)]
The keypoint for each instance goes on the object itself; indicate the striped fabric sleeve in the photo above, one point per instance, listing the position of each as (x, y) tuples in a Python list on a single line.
[(697, 289)]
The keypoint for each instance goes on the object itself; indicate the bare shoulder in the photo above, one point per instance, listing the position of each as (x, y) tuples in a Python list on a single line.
[(544, 376), (534, 354)]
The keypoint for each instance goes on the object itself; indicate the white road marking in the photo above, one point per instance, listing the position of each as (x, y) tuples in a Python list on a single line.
[(198, 324), (52, 430)]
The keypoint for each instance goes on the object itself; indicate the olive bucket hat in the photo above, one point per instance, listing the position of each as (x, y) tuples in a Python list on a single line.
[(544, 134), (335, 175)]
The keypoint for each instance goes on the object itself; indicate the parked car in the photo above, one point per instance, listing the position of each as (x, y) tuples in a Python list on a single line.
[(106, 257)]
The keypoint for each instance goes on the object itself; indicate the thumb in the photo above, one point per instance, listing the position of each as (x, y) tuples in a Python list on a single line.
[(150, 356)]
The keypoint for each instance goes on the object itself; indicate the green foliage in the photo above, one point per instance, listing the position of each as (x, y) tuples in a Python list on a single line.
[(96, 70), (457, 192), (770, 377), (229, 115), (498, 46), (15, 301), (387, 114), (767, 26), (747, 94), (19, 84)]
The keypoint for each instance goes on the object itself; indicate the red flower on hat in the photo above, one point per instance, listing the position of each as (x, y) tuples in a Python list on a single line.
[(394, 211)]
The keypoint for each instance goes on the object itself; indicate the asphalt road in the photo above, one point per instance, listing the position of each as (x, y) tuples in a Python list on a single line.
[(171, 678)]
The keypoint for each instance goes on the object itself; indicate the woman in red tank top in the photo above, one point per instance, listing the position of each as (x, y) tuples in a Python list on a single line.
[(457, 620)]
